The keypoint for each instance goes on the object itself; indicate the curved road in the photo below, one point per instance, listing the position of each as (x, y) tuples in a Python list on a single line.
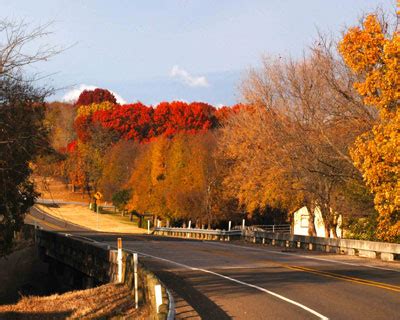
[(216, 280)]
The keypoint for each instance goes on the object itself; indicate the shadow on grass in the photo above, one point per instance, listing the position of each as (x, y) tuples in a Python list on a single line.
[(34, 315)]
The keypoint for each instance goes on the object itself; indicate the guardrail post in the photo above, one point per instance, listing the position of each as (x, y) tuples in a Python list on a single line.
[(229, 225), (158, 294), (148, 226), (135, 272), (119, 260), (243, 223)]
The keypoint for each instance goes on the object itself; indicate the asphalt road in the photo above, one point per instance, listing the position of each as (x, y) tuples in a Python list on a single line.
[(217, 280)]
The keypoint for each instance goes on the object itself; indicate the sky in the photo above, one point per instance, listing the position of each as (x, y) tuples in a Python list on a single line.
[(190, 50)]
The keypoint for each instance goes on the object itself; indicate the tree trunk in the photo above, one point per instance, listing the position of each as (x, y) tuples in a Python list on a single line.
[(155, 218), (326, 219), (311, 220), (333, 229), (334, 225)]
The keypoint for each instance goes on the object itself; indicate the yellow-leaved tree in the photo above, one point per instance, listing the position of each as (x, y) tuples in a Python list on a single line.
[(374, 55)]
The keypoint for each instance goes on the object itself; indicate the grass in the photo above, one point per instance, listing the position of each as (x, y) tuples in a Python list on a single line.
[(107, 221), (106, 301), (83, 216)]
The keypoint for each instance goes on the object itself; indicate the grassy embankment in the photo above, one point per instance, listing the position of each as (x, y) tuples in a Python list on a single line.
[(108, 221), (105, 302)]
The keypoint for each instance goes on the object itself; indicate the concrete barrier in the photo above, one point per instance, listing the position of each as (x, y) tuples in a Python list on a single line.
[(99, 263), (363, 248)]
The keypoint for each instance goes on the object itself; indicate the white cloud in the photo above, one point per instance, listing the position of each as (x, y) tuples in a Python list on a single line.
[(187, 78), (73, 95)]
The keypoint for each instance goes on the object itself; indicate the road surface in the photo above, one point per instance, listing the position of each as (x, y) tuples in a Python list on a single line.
[(216, 280)]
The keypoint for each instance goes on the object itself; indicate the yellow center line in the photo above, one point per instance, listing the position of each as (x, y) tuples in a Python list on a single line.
[(343, 277)]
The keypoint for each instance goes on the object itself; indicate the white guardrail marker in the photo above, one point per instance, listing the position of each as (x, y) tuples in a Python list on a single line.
[(135, 272), (148, 226), (230, 225), (158, 294), (119, 260)]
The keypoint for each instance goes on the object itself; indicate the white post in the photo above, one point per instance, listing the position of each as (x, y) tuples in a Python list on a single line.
[(135, 266), (243, 223), (97, 217), (158, 294), (229, 225), (273, 228), (148, 226), (190, 224), (119, 260)]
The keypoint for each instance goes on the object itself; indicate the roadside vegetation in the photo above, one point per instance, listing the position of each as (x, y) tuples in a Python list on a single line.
[(23, 135), (321, 131), (110, 301)]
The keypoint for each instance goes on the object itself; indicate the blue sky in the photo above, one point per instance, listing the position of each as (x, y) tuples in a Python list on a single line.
[(177, 49)]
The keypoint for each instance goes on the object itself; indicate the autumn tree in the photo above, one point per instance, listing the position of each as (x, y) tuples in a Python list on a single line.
[(97, 95), (118, 166), (179, 178), (289, 148), (373, 54), (173, 117)]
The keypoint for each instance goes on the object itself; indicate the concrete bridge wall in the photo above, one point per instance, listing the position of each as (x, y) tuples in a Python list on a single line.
[(371, 249), (93, 263)]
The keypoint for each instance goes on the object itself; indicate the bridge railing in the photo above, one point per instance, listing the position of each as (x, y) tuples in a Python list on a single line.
[(208, 234), (274, 228)]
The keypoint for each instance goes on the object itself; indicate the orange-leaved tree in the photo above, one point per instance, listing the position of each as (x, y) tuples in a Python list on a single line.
[(374, 55)]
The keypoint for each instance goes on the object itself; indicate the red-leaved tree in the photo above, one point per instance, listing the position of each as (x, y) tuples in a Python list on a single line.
[(95, 96)]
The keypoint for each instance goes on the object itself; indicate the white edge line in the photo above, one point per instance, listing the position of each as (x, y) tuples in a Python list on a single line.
[(320, 316), (303, 256)]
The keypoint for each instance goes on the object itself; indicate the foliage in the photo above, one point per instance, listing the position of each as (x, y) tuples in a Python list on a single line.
[(178, 179), (22, 137), (59, 118), (130, 121), (96, 96), (140, 123), (118, 166), (289, 147), (363, 228), (121, 198), (374, 56)]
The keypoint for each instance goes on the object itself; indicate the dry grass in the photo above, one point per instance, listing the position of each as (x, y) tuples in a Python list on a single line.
[(83, 216), (107, 301), (54, 189)]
